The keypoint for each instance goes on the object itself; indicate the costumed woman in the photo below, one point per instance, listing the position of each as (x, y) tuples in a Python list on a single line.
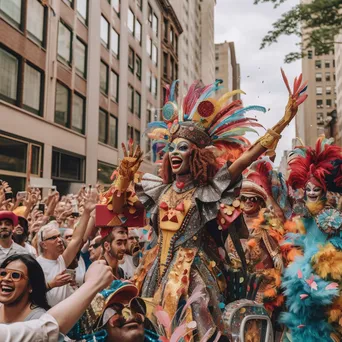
[(194, 205), (312, 281)]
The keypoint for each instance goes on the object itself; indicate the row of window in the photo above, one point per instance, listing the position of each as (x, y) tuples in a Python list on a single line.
[(170, 35), (152, 50), (328, 103), (134, 26), (153, 20), (134, 101), (328, 90), (106, 32), (106, 79), (327, 76), (134, 63), (108, 129)]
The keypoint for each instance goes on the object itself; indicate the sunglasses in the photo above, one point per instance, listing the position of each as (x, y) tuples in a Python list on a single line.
[(95, 245), (14, 274), (52, 238), (253, 199)]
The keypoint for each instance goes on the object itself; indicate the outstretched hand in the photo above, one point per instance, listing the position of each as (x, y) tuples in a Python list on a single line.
[(132, 158)]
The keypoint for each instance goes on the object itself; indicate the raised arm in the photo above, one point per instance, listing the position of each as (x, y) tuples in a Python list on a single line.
[(80, 229), (270, 140)]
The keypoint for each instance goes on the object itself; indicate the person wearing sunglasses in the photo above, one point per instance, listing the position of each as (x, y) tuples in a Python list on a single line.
[(22, 289), (95, 249), (8, 220)]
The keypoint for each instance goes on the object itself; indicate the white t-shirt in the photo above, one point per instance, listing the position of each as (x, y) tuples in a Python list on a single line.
[(30, 249), (128, 266), (52, 268)]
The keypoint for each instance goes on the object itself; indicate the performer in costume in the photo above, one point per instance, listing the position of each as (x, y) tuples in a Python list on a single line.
[(312, 281), (194, 206)]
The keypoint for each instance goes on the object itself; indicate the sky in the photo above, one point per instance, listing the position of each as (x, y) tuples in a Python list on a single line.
[(246, 24)]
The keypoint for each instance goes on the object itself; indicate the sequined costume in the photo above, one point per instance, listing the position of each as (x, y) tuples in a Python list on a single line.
[(194, 206), (312, 281)]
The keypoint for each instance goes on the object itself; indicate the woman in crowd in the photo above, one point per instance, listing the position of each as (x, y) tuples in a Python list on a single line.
[(22, 289)]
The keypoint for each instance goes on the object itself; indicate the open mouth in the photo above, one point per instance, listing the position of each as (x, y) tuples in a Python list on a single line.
[(6, 289), (176, 162), (312, 198)]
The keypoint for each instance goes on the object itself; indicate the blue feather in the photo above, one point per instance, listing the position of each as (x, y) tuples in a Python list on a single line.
[(336, 242), (156, 124), (236, 116), (304, 90), (172, 91)]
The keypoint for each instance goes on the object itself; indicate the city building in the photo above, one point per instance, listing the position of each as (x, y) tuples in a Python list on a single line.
[(226, 67), (196, 44), (77, 79), (171, 30), (338, 70)]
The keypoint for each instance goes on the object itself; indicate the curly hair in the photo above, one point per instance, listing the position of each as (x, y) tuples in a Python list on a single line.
[(203, 166)]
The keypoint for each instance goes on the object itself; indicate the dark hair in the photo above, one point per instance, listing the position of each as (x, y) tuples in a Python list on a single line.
[(23, 223), (110, 237), (36, 278)]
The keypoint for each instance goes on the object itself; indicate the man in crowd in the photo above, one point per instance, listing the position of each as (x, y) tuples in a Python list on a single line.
[(20, 235), (95, 248), (133, 247), (114, 245), (8, 220), (55, 259)]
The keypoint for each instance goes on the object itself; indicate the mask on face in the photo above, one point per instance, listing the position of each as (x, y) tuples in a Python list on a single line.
[(179, 155), (313, 192)]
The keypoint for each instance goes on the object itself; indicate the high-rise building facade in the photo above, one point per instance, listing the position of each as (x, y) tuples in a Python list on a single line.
[(338, 70), (226, 66), (77, 79), (318, 109), (196, 44)]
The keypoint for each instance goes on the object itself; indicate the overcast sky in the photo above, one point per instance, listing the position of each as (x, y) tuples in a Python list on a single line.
[(246, 24)]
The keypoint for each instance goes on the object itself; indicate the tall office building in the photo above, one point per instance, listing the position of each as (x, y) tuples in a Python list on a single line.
[(226, 66), (77, 79), (338, 70), (196, 44)]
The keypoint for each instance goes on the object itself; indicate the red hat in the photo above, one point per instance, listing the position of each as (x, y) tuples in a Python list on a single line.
[(9, 215)]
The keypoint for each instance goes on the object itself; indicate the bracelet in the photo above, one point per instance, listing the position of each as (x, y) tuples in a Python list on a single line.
[(48, 287), (269, 140)]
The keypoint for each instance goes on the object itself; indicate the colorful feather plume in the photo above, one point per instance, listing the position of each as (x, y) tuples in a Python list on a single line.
[(306, 163)]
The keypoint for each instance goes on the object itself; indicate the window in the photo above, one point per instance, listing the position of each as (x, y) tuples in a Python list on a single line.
[(154, 86), (102, 126), (64, 42), (11, 11), (115, 86), (320, 119), (104, 172), (78, 114), (154, 54), (130, 132), (329, 103), (9, 68), (149, 46), (104, 78), (172, 69), (130, 98), (150, 14), (327, 76), (319, 103), (165, 63), (171, 36), (116, 5), (67, 166), (318, 64), (137, 31), (115, 41), (82, 9), (139, 3), (62, 105), (318, 77), (319, 90), (33, 80), (35, 21), (155, 24), (131, 59), (327, 64), (113, 131), (165, 27), (310, 54), (138, 66), (14, 160), (130, 22), (104, 31), (81, 57), (149, 80), (328, 90), (137, 104), (137, 136)]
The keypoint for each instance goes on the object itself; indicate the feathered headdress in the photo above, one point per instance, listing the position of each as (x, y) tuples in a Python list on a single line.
[(316, 165), (202, 119)]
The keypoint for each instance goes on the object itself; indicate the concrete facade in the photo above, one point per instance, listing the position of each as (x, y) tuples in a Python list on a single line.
[(338, 69), (88, 53)]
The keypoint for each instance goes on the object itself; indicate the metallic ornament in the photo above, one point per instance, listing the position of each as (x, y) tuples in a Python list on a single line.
[(170, 111), (206, 108)]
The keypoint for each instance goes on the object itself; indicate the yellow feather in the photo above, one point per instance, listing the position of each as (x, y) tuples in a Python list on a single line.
[(223, 99)]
